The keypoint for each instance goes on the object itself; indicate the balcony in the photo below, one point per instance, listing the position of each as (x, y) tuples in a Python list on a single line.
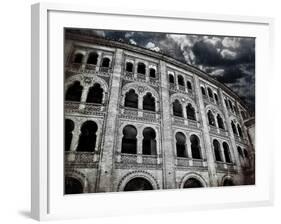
[(141, 78), (84, 108), (137, 114), (81, 159), (105, 70), (182, 162), (225, 167), (124, 160)]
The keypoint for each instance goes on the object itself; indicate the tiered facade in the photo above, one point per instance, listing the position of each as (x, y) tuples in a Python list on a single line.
[(139, 120)]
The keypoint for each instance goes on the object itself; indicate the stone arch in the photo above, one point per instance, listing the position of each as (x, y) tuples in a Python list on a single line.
[(216, 111), (81, 177), (185, 100), (141, 89), (194, 175), (227, 178), (138, 174)]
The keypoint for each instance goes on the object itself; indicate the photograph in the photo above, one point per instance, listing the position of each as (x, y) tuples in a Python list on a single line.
[(157, 111)]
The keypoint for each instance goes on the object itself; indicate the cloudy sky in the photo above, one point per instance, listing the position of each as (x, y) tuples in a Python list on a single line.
[(230, 60)]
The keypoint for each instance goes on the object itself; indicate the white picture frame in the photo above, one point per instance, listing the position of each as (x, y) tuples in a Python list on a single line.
[(48, 201)]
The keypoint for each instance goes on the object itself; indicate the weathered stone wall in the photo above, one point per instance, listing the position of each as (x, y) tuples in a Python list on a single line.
[(107, 168)]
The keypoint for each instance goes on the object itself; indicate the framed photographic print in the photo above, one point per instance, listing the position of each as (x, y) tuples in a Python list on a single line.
[(172, 111)]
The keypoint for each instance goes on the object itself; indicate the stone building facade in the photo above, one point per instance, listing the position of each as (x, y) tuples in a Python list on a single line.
[(136, 119)]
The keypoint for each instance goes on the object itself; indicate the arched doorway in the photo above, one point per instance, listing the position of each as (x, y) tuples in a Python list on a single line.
[(192, 183), (95, 94), (129, 140), (138, 184), (68, 128), (72, 186), (87, 139), (74, 92), (228, 182), (149, 142)]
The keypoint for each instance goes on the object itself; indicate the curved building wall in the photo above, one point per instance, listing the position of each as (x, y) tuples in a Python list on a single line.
[(136, 117)]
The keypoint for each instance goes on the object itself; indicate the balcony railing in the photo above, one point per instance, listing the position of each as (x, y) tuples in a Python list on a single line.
[(83, 108), (105, 70), (149, 159), (139, 114), (138, 159), (190, 162), (225, 167), (128, 158), (74, 157), (192, 123), (90, 67)]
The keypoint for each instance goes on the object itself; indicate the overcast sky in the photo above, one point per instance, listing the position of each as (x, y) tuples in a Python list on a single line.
[(230, 60)]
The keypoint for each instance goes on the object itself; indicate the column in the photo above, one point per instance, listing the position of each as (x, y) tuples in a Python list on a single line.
[(189, 152), (75, 136), (230, 131), (83, 97), (206, 135), (139, 147), (106, 158), (169, 175)]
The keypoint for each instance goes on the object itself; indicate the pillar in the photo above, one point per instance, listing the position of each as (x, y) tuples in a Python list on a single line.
[(206, 135), (169, 175), (105, 183)]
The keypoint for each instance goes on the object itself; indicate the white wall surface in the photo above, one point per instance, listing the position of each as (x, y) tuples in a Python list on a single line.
[(15, 110)]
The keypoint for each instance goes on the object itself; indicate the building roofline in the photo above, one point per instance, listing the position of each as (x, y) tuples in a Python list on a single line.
[(160, 56)]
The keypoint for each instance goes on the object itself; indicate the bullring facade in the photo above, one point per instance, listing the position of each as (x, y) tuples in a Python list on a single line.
[(136, 119)]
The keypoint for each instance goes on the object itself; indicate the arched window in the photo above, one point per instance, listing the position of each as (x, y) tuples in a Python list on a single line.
[(72, 186), (180, 145), (189, 86), (220, 121), (141, 68), (247, 159), (152, 73), (203, 91), (239, 131), (177, 108), (195, 147), (228, 182), (226, 103), (233, 128), (240, 153), (210, 92), (74, 92), (78, 58), (226, 151), (192, 183), (129, 140), (105, 62), (211, 118), (138, 184), (234, 109), (149, 142), (131, 99), (180, 80), (190, 112), (87, 138), (129, 67), (230, 105), (171, 79), (68, 128), (217, 150), (216, 97), (95, 94), (149, 102), (93, 58)]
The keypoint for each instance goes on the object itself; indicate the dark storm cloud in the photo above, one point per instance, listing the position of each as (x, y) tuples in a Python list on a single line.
[(230, 60)]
